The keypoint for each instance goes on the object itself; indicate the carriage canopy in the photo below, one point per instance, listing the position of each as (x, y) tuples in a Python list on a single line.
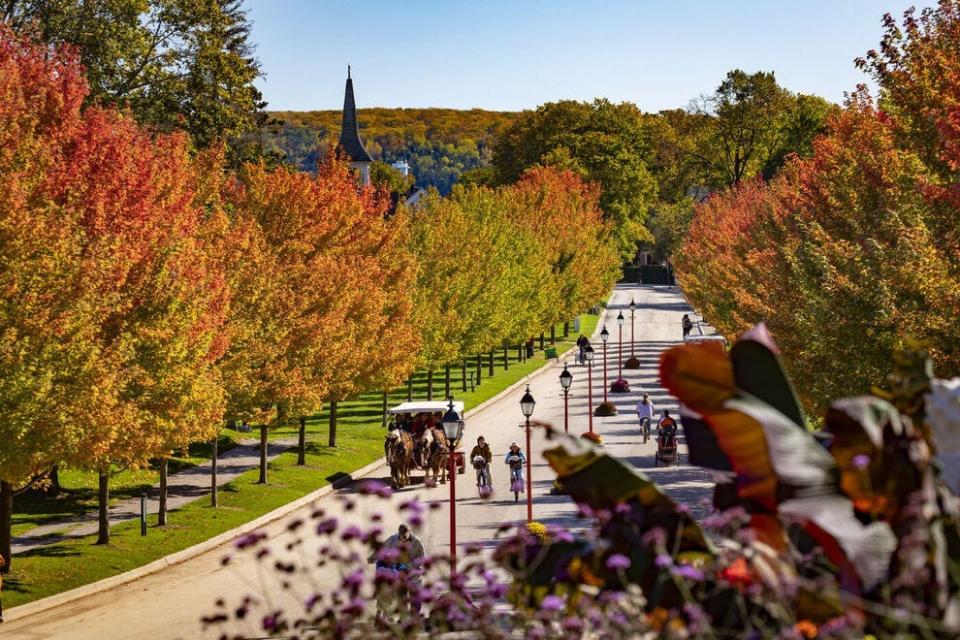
[(424, 406)]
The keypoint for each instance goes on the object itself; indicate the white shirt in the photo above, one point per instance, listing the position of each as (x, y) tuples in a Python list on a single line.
[(645, 410)]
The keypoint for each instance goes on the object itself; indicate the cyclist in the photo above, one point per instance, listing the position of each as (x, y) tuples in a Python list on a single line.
[(645, 411), (667, 429), (516, 460), (482, 450)]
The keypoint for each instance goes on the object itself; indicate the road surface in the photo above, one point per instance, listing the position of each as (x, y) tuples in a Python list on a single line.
[(169, 604)]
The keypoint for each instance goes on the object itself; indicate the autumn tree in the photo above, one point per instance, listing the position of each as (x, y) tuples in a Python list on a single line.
[(176, 65), (136, 322)]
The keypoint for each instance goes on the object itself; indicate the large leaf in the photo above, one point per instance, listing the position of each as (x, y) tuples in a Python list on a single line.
[(757, 371), (700, 374), (702, 446), (602, 481), (876, 454)]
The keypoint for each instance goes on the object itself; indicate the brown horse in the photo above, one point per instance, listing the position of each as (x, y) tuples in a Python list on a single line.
[(398, 448), (436, 454)]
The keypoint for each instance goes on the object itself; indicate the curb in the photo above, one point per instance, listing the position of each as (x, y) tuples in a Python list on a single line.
[(178, 557)]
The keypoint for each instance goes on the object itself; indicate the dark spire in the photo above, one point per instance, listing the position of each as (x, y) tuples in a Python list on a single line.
[(350, 142)]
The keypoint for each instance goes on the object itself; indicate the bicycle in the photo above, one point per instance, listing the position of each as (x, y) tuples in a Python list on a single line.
[(483, 476), (645, 429), (516, 477)]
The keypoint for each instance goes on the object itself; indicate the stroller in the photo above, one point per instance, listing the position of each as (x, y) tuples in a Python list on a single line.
[(667, 448)]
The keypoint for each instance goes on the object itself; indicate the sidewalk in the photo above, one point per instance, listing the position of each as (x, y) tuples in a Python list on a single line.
[(182, 488)]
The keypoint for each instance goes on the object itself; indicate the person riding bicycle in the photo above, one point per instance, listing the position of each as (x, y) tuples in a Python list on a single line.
[(515, 459), (667, 431), (482, 450), (645, 409)]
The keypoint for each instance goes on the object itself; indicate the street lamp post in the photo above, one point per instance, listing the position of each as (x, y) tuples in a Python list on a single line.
[(620, 359), (632, 362), (452, 425), (527, 403), (566, 378), (588, 354), (604, 336)]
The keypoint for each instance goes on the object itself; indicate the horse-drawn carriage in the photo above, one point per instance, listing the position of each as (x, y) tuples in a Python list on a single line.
[(416, 441)]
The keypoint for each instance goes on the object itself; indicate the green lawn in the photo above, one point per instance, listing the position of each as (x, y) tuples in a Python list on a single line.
[(79, 489), (66, 565)]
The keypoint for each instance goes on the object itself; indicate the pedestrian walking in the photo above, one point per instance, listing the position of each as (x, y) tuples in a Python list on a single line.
[(582, 343), (687, 325)]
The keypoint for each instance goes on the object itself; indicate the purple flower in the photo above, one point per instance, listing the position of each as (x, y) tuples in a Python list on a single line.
[(552, 603), (327, 526), (353, 580), (351, 533), (618, 561), (249, 540), (368, 487), (688, 572), (663, 561), (861, 461)]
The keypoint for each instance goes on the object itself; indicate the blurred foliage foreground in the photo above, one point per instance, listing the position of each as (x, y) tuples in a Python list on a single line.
[(848, 532)]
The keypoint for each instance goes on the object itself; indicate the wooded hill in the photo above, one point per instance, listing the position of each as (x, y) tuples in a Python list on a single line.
[(439, 144)]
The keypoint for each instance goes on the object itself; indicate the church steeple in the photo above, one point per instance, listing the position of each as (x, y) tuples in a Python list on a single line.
[(350, 142)]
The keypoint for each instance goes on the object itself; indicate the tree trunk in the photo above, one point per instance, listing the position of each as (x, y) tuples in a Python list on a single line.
[(541, 341), (490, 365), (214, 453), (53, 489), (566, 328), (333, 423), (162, 510), (6, 522), (103, 516), (302, 443), (506, 359), (263, 455), (479, 368), (520, 352), (446, 382), (429, 385), (410, 389), (464, 372), (383, 422), (553, 334)]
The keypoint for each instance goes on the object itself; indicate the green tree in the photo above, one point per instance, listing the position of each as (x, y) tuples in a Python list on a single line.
[(176, 64), (753, 125), (604, 142), (384, 176)]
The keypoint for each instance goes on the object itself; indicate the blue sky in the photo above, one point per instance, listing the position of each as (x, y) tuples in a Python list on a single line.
[(517, 54)]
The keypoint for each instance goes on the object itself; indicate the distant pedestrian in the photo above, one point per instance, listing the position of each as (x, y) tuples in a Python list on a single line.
[(687, 325), (582, 343)]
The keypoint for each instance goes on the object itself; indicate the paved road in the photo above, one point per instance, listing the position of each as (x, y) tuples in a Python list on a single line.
[(169, 604)]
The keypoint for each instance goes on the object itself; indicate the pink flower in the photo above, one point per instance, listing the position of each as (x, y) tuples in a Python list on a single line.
[(618, 561)]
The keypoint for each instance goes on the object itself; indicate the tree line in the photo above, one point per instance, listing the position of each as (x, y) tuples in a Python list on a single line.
[(853, 252), (152, 294)]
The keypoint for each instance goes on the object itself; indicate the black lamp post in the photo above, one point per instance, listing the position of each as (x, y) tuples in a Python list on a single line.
[(604, 336), (588, 354), (605, 408), (566, 378), (452, 425), (527, 403), (632, 362), (620, 320)]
